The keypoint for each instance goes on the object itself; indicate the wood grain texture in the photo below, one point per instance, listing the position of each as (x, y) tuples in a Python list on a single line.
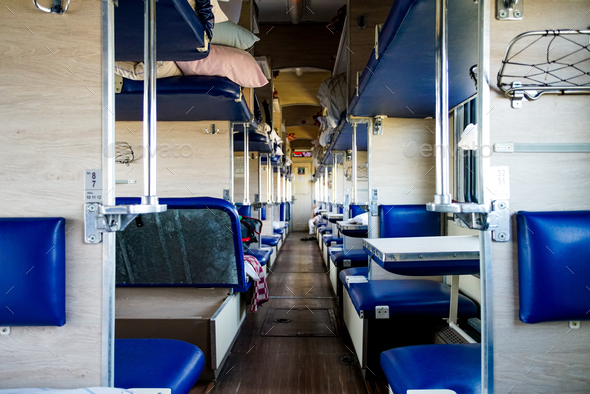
[(168, 302), (303, 45), (403, 161), (268, 365), (190, 162), (303, 90), (543, 357), (50, 106), (363, 41)]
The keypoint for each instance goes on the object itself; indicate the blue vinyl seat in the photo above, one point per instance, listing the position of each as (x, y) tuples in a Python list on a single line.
[(412, 297), (356, 257), (278, 231), (157, 363), (262, 255), (329, 239), (452, 367), (325, 230), (355, 271), (270, 240)]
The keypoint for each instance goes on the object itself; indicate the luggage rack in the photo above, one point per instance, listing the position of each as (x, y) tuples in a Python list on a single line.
[(546, 62)]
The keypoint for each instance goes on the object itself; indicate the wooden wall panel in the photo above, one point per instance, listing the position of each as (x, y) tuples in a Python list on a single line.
[(403, 161), (191, 163), (361, 42), (544, 357), (239, 181), (303, 45), (50, 106)]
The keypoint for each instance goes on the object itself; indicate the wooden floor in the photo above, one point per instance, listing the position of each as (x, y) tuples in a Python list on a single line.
[(290, 365)]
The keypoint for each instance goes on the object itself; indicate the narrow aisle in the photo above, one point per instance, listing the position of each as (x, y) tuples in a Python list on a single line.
[(264, 364)]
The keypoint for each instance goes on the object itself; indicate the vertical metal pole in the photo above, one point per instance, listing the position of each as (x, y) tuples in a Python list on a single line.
[(354, 165), (231, 162), (260, 179), (485, 237), (335, 180), (443, 194), (108, 198), (326, 188), (271, 178), (246, 166), (150, 115), (268, 180)]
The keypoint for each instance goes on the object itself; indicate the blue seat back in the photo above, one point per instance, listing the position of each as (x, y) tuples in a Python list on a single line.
[(553, 265), (340, 210), (245, 210), (408, 221), (33, 271), (263, 213), (356, 210), (196, 242), (283, 212)]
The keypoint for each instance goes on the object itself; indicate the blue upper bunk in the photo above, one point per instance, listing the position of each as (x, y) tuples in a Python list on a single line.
[(182, 33), (186, 98), (401, 82), (342, 139)]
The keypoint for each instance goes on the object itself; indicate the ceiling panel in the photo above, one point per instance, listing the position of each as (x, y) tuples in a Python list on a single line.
[(277, 11)]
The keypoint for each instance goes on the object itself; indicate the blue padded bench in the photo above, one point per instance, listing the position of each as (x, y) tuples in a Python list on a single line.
[(452, 367), (278, 231), (358, 266), (179, 31), (407, 297), (262, 255), (33, 271), (407, 57), (270, 240), (355, 271), (329, 239), (157, 363), (320, 224), (416, 310), (356, 257), (213, 98)]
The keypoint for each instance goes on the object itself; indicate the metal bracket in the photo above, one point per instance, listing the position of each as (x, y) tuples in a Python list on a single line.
[(226, 196), (498, 220), (382, 312), (56, 7), (347, 263), (517, 96), (509, 10), (374, 205), (378, 125), (99, 219), (257, 204), (378, 28)]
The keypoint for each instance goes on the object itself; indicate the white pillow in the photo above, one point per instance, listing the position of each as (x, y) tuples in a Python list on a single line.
[(135, 70), (232, 9)]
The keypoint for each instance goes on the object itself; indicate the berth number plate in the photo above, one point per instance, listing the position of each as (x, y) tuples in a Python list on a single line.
[(499, 183), (93, 186)]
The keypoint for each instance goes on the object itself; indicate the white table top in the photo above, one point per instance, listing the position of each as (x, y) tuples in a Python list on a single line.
[(424, 248)]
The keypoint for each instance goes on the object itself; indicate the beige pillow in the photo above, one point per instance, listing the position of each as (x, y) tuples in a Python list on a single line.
[(134, 70), (218, 14)]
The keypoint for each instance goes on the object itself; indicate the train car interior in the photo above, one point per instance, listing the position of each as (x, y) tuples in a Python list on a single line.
[(295, 197)]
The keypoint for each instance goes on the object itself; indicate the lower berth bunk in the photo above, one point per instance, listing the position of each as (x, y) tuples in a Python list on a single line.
[(181, 275)]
